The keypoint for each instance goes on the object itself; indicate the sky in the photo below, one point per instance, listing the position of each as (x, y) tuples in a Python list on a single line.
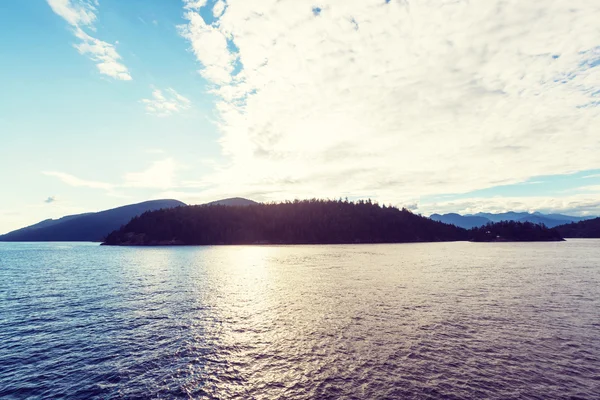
[(437, 106)]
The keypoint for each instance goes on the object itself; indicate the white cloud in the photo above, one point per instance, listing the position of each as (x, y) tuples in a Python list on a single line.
[(402, 99), (210, 47), (81, 14), (160, 175), (589, 188), (193, 4), (165, 104), (104, 54), (76, 13), (579, 204), (78, 182), (218, 8)]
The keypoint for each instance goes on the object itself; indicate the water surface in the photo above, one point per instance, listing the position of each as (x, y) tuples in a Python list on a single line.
[(422, 321)]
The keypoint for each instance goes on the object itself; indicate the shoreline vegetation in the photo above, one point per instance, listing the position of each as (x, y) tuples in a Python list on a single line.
[(514, 231), (588, 229), (308, 222)]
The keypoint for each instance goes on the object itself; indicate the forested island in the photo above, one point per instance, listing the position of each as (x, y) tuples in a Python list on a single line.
[(302, 222), (514, 231)]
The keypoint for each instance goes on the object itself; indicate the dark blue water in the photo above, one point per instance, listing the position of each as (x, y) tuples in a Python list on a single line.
[(415, 321)]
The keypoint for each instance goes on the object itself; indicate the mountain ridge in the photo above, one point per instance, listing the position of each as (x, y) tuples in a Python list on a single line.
[(469, 221), (232, 201), (95, 226), (86, 227)]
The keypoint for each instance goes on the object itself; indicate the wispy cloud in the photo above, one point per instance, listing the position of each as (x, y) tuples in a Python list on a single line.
[(50, 199), (78, 182), (589, 188), (75, 12), (425, 97), (159, 175), (591, 176), (81, 14), (164, 104), (104, 54)]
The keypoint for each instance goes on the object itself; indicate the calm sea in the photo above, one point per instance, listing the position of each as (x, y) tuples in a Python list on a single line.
[(406, 321)]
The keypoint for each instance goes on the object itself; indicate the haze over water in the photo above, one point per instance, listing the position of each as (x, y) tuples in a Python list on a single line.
[(427, 321)]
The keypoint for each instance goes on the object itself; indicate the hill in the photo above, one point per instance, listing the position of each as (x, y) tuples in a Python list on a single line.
[(468, 221), (85, 227), (514, 231), (584, 229), (298, 222), (233, 201), (43, 224)]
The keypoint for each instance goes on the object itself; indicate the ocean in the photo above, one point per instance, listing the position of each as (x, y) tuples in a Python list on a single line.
[(393, 321)]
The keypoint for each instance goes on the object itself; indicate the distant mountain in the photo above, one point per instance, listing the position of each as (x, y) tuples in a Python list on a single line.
[(89, 227), (550, 220), (43, 224), (507, 216), (468, 221), (233, 201), (562, 217), (542, 219), (582, 229)]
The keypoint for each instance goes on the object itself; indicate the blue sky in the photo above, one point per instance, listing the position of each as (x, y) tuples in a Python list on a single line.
[(440, 107)]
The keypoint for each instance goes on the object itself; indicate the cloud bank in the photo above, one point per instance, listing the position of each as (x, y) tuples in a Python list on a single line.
[(81, 14), (398, 99), (577, 204)]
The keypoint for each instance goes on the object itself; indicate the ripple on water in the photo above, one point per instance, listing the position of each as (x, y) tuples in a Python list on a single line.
[(413, 321)]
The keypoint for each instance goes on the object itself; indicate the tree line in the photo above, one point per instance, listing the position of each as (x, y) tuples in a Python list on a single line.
[(589, 228)]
